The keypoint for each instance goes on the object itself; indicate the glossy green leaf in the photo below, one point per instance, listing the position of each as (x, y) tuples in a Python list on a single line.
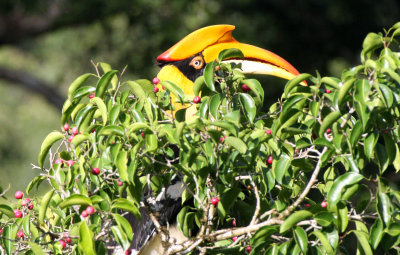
[(77, 83), (112, 130), (324, 241), (362, 238), (124, 224), (345, 180), (209, 75), (342, 216), (36, 249), (102, 108), (249, 106), (281, 167), (214, 102), (226, 126), (236, 143), (125, 204), (198, 84), (300, 236), (46, 145), (328, 122), (293, 219), (174, 89), (7, 210), (295, 82), (256, 87), (371, 42), (387, 95), (44, 205), (85, 241), (122, 165), (120, 236), (370, 143), (78, 139), (151, 142), (344, 91), (384, 208), (230, 53), (104, 82), (324, 218), (376, 233), (83, 91), (75, 199), (356, 133)]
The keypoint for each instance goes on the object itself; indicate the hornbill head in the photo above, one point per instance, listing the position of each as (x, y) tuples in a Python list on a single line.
[(186, 60)]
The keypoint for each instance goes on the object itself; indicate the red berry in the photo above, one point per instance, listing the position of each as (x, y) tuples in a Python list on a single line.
[(95, 170), (20, 234), (17, 213), (234, 223), (70, 138), (235, 238), (270, 160), (84, 214), (58, 161), (324, 204), (25, 201), (221, 139), (196, 100), (30, 206), (328, 91), (1, 231), (214, 200), (155, 90), (163, 88), (386, 131), (66, 127), (74, 130), (63, 244), (90, 210), (245, 88), (156, 80), (128, 252), (328, 131), (120, 183), (142, 134), (68, 240), (248, 249), (19, 194), (307, 205), (70, 162), (91, 95), (268, 132)]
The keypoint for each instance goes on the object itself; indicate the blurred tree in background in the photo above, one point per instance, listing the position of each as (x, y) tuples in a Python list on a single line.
[(45, 44)]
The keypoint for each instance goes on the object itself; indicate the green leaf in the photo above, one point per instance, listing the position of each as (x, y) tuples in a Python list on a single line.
[(295, 81), (111, 130), (256, 87), (209, 72), (262, 236), (300, 236), (7, 210), (324, 218), (344, 91), (356, 133), (124, 224), (44, 205), (102, 108), (370, 143), (396, 161), (371, 42), (214, 102), (324, 241), (85, 241), (293, 219), (174, 89), (345, 180), (363, 241), (249, 106), (328, 122), (104, 82), (198, 84), (383, 208), (230, 53), (77, 83), (78, 139), (122, 165), (120, 237), (37, 250), (231, 128), (376, 233), (46, 145), (83, 91), (343, 218), (75, 199), (125, 204), (236, 143), (387, 95), (151, 142), (227, 201), (323, 142), (281, 167)]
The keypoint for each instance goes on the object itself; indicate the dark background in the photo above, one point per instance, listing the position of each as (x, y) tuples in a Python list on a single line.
[(46, 44)]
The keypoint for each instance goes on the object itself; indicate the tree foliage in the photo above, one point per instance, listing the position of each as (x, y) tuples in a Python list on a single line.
[(310, 175)]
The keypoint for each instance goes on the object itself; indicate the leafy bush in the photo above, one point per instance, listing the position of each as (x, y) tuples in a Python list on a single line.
[(311, 175)]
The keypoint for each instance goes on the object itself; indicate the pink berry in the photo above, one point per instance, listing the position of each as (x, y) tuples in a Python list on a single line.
[(142, 134), (58, 161), (120, 183), (66, 127), (268, 132), (245, 88), (196, 100), (70, 138), (155, 90), (70, 162), (91, 95), (163, 88), (74, 130), (248, 249), (128, 252), (90, 210), (19, 194), (20, 234), (328, 91), (270, 160), (214, 200), (30, 206), (25, 201), (156, 80), (68, 240), (234, 223), (95, 170), (221, 139), (63, 244), (1, 231), (17, 213), (328, 131), (84, 214), (235, 238), (307, 205), (324, 204)]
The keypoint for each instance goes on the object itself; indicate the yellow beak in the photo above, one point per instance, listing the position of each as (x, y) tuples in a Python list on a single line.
[(210, 41)]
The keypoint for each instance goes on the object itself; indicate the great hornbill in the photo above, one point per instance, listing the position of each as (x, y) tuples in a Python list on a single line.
[(182, 64)]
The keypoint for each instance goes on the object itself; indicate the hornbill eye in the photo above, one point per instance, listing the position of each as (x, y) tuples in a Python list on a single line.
[(197, 63)]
